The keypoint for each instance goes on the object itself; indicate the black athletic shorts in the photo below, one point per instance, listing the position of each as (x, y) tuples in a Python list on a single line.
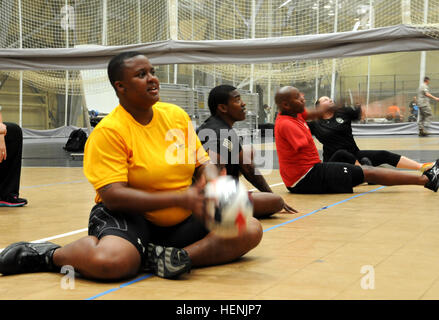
[(139, 231), (330, 177)]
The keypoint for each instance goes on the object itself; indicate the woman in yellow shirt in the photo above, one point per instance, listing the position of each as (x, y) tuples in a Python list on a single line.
[(140, 159)]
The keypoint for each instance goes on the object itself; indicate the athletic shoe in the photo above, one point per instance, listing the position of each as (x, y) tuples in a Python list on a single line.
[(26, 257), (426, 166), (168, 262), (422, 133), (12, 201), (366, 162), (433, 175)]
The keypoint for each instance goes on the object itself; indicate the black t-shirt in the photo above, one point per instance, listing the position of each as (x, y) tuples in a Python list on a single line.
[(216, 135), (336, 133)]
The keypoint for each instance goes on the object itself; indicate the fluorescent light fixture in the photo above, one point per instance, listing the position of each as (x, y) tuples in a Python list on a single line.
[(284, 4)]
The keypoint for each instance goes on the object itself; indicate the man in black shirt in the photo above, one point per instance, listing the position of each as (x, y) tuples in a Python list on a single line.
[(334, 131), (222, 143)]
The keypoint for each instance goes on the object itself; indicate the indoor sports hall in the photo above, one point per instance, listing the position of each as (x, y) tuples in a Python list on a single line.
[(379, 242)]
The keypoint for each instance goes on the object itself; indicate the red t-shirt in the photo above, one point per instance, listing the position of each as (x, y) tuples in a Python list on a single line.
[(295, 146)]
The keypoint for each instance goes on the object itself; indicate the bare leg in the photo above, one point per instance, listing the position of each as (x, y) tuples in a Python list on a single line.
[(266, 204), (389, 177), (213, 250), (406, 163), (110, 258)]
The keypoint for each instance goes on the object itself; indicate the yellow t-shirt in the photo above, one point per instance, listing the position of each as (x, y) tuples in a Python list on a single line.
[(160, 156)]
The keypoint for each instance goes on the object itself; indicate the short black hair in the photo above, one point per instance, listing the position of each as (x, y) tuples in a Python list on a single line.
[(116, 65), (426, 79), (219, 95)]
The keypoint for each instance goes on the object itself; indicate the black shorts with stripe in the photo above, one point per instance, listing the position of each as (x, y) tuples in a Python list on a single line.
[(330, 177), (139, 231)]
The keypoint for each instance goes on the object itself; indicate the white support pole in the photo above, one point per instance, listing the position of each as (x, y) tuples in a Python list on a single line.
[(139, 24), (270, 31), (371, 15), (253, 34), (20, 21), (406, 11), (175, 73), (269, 85), (316, 96), (20, 108), (173, 28), (234, 37), (422, 67), (369, 59), (334, 66), (252, 76), (334, 61), (192, 25), (193, 77), (368, 87), (214, 38), (423, 53), (67, 71), (66, 98), (104, 22), (20, 103), (173, 19)]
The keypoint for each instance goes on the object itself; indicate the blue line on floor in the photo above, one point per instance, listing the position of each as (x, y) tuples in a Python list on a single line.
[(271, 228), (323, 208), (149, 275)]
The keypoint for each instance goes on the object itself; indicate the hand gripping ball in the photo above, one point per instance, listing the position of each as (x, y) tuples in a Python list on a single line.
[(228, 206)]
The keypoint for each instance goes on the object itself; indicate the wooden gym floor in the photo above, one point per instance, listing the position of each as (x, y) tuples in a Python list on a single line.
[(378, 243)]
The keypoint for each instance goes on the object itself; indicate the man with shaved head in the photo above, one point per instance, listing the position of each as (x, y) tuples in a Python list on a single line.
[(299, 161)]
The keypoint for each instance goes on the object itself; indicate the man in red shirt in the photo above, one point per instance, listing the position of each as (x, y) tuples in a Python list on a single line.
[(300, 165)]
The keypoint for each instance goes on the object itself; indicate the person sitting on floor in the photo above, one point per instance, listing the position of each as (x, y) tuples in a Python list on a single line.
[(300, 165), (223, 144), (148, 215)]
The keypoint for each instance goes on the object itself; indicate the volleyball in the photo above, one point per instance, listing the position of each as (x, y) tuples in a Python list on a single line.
[(229, 206)]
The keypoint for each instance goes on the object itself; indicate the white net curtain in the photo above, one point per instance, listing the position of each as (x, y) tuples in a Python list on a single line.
[(45, 98)]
